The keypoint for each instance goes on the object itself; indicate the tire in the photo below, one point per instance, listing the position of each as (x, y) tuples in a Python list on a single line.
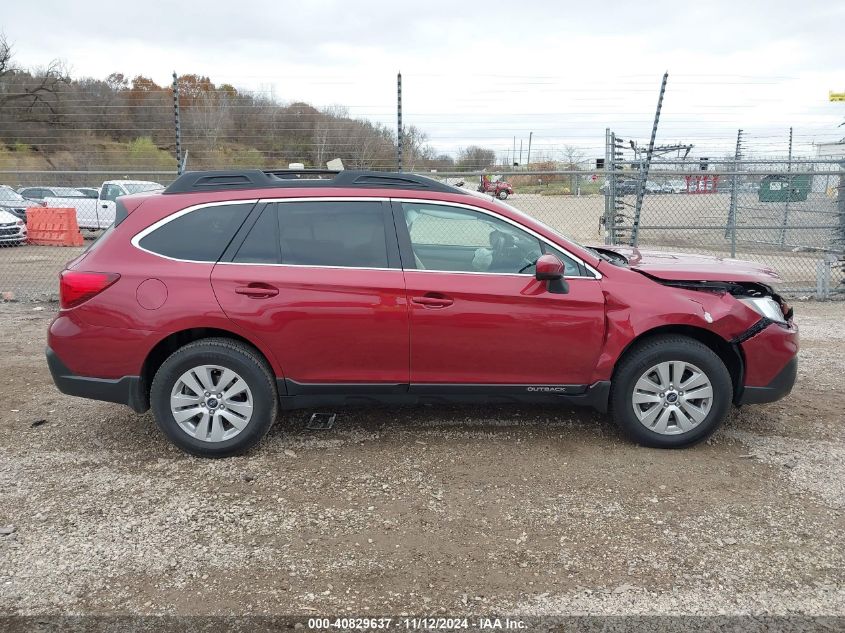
[(502, 195), (220, 427), (678, 419)]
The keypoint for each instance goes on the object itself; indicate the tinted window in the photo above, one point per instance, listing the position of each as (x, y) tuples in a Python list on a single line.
[(460, 240), (347, 234), (200, 235), (261, 245), (111, 192)]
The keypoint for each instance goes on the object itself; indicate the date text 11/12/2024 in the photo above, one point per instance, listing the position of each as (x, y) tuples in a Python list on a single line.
[(417, 623)]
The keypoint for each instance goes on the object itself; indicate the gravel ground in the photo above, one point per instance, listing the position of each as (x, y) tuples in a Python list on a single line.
[(532, 510)]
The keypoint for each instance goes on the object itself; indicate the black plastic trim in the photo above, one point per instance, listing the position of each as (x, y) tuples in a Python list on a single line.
[(127, 390), (755, 329), (302, 396), (778, 388), (120, 212), (233, 180), (243, 231)]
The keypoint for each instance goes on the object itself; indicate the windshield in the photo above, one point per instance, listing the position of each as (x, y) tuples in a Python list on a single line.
[(139, 187), (67, 192), (613, 259), (9, 194), (563, 236)]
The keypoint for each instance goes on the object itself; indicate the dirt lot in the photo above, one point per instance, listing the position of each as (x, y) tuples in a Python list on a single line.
[(427, 511)]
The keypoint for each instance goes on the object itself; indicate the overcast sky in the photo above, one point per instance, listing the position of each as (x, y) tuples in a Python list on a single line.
[(563, 70)]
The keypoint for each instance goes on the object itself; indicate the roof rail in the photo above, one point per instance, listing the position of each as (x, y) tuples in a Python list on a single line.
[(234, 179)]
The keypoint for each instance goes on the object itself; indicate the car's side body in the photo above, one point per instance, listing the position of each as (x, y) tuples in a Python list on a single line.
[(337, 335), (391, 288)]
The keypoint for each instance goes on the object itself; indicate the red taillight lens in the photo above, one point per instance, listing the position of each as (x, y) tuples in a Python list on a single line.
[(77, 287)]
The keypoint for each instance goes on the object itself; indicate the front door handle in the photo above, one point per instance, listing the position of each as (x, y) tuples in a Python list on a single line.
[(257, 291), (433, 300)]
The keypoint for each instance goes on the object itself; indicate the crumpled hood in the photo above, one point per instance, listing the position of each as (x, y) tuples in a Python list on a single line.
[(694, 267)]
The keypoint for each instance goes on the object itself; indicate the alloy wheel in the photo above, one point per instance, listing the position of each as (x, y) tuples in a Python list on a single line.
[(672, 397), (211, 403)]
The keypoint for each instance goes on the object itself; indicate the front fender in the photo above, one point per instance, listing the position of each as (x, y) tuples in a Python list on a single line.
[(636, 306)]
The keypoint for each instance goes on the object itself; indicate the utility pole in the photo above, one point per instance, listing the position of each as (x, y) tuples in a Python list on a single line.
[(179, 164), (399, 133), (513, 154), (520, 153), (644, 168)]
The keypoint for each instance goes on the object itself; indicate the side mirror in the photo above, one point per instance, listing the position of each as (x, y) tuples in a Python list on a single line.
[(550, 269)]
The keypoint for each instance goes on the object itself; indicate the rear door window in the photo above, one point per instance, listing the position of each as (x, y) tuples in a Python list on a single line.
[(334, 233), (200, 235)]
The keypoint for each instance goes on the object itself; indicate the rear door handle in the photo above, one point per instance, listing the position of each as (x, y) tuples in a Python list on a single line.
[(257, 291), (433, 300)]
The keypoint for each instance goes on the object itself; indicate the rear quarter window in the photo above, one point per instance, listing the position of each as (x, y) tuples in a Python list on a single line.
[(200, 235)]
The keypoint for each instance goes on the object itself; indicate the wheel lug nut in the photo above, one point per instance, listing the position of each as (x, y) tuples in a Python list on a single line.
[(207, 394)]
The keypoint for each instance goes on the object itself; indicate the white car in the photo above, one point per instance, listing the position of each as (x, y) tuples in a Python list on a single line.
[(99, 213), (12, 229)]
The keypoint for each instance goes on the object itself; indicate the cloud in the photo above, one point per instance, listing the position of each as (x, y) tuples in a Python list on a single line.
[(483, 73)]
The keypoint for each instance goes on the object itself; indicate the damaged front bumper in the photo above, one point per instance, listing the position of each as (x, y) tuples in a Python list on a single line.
[(770, 354)]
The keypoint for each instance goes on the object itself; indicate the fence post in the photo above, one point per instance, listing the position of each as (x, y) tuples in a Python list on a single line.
[(608, 176), (840, 205), (823, 279), (179, 164), (788, 192), (731, 228), (635, 227), (399, 134)]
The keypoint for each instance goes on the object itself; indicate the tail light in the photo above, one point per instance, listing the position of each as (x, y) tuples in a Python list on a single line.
[(77, 287)]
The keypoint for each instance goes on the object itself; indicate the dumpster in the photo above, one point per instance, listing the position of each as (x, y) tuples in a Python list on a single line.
[(783, 187)]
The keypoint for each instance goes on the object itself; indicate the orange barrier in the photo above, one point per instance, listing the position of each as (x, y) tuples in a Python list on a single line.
[(53, 227)]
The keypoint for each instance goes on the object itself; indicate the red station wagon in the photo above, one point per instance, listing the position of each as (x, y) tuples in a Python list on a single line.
[(233, 293)]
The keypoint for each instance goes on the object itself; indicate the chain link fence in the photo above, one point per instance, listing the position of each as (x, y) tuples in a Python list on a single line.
[(789, 217)]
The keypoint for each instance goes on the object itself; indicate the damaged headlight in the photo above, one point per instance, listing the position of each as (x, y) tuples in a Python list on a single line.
[(765, 306)]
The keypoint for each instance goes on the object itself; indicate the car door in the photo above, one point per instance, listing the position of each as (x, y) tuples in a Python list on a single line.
[(105, 209), (319, 281), (478, 315)]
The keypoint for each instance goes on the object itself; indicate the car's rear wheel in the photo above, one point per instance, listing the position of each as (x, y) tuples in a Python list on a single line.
[(503, 195), (214, 397), (670, 391)]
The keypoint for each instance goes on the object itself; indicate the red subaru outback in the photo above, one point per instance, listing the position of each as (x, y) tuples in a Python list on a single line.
[(233, 293)]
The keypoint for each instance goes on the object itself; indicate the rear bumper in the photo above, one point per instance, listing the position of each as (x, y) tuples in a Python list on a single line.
[(127, 390)]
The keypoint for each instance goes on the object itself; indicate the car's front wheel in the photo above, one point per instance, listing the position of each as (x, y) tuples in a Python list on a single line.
[(214, 397), (670, 391), (503, 195)]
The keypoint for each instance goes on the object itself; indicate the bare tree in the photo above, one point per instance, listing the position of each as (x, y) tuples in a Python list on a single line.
[(37, 92), (474, 158), (572, 157)]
